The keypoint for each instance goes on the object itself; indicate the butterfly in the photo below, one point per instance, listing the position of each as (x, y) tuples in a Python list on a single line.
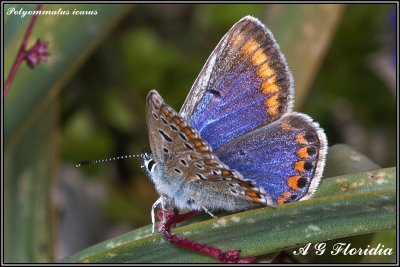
[(236, 143)]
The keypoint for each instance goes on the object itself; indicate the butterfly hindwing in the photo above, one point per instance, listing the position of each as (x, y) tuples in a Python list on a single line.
[(285, 157), (244, 83)]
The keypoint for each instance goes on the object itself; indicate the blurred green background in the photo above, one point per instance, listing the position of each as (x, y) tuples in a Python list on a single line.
[(88, 102)]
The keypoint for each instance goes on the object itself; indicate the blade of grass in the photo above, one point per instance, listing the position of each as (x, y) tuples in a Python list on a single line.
[(343, 159), (366, 207), (29, 173)]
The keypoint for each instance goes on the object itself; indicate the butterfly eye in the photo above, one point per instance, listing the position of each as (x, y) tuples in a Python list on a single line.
[(150, 165)]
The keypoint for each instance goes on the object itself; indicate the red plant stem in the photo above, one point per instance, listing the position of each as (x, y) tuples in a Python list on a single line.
[(20, 56), (231, 256)]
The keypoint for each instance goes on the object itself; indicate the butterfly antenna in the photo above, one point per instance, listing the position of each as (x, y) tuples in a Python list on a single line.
[(88, 162)]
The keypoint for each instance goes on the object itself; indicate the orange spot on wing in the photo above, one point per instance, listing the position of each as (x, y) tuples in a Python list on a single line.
[(286, 194), (209, 162), (258, 57), (200, 145), (269, 86), (293, 181), (180, 123), (299, 166), (197, 143), (177, 121), (226, 172), (302, 153), (265, 71), (254, 196), (189, 133), (203, 148), (250, 47), (167, 113), (286, 126), (272, 105), (300, 139), (245, 185), (193, 156)]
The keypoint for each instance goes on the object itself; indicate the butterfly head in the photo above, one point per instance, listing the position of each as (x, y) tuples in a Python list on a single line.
[(148, 164)]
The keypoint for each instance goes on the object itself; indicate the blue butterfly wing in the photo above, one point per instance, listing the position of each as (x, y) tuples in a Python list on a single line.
[(241, 105), (244, 83), (285, 157)]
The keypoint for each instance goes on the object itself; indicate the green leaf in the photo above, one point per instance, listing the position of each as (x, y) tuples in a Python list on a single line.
[(29, 173), (343, 206), (31, 124), (343, 159)]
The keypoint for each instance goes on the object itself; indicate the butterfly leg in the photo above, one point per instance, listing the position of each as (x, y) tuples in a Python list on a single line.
[(225, 257), (169, 213), (204, 208), (159, 201)]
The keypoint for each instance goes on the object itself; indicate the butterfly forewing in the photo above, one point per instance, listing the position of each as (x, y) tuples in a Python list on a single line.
[(244, 83)]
